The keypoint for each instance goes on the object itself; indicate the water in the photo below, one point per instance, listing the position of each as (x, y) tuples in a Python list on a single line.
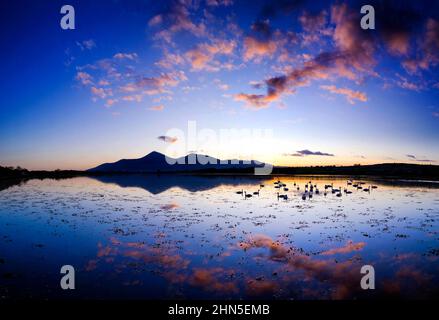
[(183, 237)]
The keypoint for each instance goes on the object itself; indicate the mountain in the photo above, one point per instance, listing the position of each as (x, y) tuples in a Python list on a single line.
[(158, 162)]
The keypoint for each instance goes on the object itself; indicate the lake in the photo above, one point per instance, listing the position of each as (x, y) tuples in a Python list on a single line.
[(194, 237)]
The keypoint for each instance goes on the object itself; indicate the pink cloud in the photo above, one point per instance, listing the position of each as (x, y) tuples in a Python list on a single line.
[(132, 98), (351, 95), (256, 101), (428, 54), (84, 78), (170, 60), (255, 49), (314, 26), (101, 92), (177, 19), (157, 108), (129, 56), (202, 57), (398, 43)]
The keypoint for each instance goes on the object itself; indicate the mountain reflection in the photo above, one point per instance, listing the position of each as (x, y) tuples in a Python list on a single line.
[(157, 184)]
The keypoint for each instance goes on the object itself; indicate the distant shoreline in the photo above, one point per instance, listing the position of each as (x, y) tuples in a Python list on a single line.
[(380, 171)]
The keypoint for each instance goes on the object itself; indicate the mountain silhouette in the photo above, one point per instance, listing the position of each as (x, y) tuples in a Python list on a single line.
[(157, 162)]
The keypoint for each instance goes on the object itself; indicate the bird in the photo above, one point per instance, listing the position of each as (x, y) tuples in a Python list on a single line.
[(261, 185), (247, 195), (282, 196), (339, 194), (374, 187), (286, 189), (304, 196), (366, 189), (256, 192), (240, 192)]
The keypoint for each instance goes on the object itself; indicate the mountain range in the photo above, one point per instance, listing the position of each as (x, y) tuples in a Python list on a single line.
[(157, 162)]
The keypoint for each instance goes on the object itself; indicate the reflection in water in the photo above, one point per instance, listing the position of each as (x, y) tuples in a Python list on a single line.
[(195, 237), (156, 184)]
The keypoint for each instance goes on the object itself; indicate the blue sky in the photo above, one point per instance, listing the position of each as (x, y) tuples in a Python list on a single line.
[(134, 70)]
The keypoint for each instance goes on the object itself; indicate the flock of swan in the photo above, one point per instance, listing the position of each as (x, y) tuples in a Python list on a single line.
[(310, 189)]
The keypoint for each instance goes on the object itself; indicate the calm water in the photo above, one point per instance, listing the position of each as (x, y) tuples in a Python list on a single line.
[(194, 237)]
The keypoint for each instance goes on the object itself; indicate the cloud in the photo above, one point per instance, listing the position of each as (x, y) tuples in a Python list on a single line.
[(255, 49), (156, 85), (221, 85), (111, 102), (168, 139), (256, 101), (84, 78), (351, 95), (306, 152), (217, 3), (132, 98), (174, 20), (314, 26), (428, 50), (202, 57), (86, 44), (404, 83), (352, 57), (276, 86), (129, 56), (435, 114), (414, 158), (170, 60), (101, 92), (157, 108)]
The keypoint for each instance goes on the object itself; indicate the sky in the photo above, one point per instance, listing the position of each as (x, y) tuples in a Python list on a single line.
[(289, 82)]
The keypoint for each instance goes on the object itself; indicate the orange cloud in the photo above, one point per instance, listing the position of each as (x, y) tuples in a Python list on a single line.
[(398, 43), (255, 49), (157, 108), (351, 95), (256, 101), (202, 57)]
